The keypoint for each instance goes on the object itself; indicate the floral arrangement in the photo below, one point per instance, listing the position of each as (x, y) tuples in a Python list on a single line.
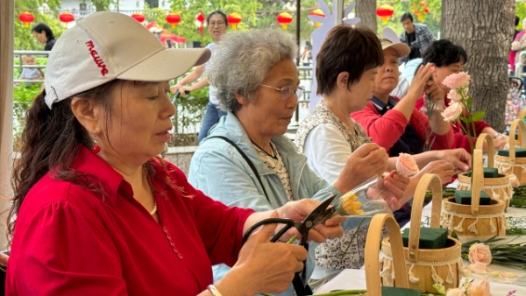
[(460, 108)]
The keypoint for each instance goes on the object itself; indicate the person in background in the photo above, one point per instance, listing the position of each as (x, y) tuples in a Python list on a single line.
[(518, 45), (449, 58), (30, 73), (260, 168), (416, 36), (44, 35), (97, 212), (217, 25), (348, 62)]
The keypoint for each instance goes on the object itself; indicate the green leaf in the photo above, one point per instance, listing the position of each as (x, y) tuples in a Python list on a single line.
[(478, 115)]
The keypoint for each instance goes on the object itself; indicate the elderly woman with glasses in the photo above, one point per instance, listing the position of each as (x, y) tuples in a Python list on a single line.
[(246, 161)]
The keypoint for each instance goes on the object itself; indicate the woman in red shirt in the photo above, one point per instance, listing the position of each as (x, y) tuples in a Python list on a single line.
[(95, 212), (449, 58)]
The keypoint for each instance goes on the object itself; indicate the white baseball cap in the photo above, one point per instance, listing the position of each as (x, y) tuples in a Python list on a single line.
[(109, 45), (401, 48)]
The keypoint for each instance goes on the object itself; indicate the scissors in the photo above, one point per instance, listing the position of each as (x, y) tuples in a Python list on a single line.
[(318, 216)]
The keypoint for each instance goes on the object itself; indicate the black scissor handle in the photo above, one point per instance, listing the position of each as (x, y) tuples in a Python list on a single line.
[(289, 223), (178, 94)]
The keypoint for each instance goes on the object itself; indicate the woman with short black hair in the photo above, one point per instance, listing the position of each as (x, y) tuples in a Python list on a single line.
[(44, 35)]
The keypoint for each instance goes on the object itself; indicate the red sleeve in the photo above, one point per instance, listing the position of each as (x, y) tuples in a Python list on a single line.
[(421, 124), (419, 103), (49, 266), (462, 141), (220, 226), (480, 126), (384, 130)]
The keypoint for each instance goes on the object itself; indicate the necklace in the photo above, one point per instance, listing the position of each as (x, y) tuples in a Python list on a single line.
[(154, 210), (274, 152)]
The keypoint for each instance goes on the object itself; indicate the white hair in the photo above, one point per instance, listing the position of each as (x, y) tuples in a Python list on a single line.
[(241, 61)]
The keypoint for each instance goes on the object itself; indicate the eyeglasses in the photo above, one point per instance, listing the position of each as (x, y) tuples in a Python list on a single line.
[(288, 90), (219, 24)]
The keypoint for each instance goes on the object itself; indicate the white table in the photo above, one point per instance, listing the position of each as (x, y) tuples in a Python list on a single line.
[(352, 279)]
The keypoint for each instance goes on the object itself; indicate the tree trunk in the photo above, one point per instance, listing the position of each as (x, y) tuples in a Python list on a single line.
[(485, 30), (366, 11)]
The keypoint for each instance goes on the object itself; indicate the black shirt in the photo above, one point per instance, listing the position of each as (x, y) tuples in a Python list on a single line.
[(413, 44), (49, 44)]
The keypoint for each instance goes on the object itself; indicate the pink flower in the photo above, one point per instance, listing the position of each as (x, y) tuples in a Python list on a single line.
[(480, 288), (455, 292), (480, 257), (454, 96), (457, 80), (514, 181), (452, 112), (406, 165)]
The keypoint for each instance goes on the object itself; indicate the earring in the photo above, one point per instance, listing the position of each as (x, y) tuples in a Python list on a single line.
[(96, 148)]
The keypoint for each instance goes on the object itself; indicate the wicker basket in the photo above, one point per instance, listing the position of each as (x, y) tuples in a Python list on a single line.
[(475, 221), (426, 266), (372, 264), (511, 164), (497, 188)]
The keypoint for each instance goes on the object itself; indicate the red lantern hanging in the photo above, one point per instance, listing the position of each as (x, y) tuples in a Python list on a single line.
[(199, 21), (385, 11), (173, 19), (138, 17), (26, 18), (317, 12), (66, 18), (234, 19), (284, 19)]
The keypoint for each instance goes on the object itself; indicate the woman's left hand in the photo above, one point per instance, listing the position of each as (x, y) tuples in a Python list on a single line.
[(299, 210), (393, 188)]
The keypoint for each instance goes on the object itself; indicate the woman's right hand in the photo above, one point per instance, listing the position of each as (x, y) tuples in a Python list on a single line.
[(420, 81), (262, 266), (183, 89), (444, 169), (365, 162)]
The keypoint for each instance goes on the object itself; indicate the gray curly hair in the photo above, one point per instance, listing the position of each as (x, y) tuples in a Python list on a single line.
[(241, 61)]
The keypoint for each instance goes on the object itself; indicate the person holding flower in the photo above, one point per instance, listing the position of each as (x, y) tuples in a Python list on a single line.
[(260, 168), (95, 210), (450, 58), (348, 61), (397, 126)]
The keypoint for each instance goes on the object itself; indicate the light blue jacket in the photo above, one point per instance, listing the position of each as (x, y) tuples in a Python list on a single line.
[(220, 172)]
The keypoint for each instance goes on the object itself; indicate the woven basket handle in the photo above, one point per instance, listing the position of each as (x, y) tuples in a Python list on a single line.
[(491, 150), (477, 180), (428, 180), (372, 263), (511, 139), (522, 137)]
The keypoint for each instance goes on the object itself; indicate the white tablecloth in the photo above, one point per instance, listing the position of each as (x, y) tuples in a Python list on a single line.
[(352, 279)]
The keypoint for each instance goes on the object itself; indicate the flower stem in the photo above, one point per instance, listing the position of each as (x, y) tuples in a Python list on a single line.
[(352, 238)]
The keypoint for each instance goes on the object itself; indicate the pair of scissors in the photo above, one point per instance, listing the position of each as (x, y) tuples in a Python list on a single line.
[(318, 216)]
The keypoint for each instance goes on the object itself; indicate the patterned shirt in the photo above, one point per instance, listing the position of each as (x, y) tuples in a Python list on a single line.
[(276, 165)]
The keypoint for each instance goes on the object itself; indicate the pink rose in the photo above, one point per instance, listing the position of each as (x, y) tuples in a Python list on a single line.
[(456, 80), (455, 292), (452, 112), (480, 257), (454, 96), (406, 165), (514, 181), (480, 288)]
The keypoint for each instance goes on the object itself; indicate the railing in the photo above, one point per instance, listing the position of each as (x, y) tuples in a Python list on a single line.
[(18, 55)]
